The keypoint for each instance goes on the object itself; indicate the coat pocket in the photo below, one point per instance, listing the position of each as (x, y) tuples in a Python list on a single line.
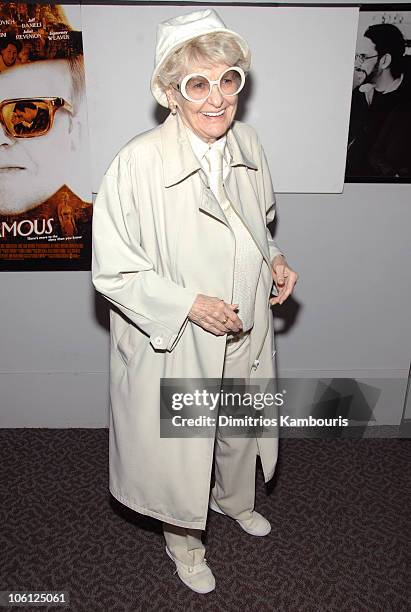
[(124, 348), (131, 344)]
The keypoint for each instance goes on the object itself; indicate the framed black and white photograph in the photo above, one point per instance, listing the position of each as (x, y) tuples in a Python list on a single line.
[(379, 140)]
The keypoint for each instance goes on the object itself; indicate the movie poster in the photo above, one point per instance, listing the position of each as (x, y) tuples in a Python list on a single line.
[(379, 141), (45, 190)]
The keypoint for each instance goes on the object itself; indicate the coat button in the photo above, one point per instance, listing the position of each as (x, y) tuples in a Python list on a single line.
[(158, 340), (256, 364)]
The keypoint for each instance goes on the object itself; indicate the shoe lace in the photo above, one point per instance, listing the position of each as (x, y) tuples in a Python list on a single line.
[(191, 567)]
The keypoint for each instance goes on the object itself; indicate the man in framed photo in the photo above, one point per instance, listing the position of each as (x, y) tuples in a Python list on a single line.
[(380, 122)]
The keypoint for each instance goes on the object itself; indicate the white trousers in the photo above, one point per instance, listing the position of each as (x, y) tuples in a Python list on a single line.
[(234, 468)]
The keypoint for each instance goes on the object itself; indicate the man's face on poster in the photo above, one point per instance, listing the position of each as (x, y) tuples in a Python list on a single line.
[(24, 55), (9, 55), (33, 169), (366, 66)]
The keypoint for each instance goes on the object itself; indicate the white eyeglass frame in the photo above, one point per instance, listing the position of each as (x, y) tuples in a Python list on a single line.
[(181, 87)]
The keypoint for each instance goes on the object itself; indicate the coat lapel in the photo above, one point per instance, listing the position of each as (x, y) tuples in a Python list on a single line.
[(180, 162), (208, 202), (242, 194)]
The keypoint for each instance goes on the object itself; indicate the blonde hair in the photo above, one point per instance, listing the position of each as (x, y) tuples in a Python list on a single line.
[(208, 49), (76, 66)]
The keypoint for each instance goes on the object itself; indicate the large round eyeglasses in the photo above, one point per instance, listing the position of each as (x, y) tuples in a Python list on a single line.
[(197, 87)]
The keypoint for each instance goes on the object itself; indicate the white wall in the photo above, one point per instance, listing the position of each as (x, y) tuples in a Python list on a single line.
[(297, 97), (349, 316)]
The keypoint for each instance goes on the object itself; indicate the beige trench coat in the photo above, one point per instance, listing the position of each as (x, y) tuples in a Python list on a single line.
[(159, 239)]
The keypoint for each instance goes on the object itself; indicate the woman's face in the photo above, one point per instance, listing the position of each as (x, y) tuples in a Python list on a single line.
[(209, 119)]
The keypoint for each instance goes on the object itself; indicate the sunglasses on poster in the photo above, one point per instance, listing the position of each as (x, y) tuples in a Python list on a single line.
[(30, 117)]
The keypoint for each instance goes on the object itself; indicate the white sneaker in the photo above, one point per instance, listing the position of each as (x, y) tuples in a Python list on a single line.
[(198, 578), (257, 525)]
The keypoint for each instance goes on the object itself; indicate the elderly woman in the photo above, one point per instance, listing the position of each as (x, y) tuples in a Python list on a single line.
[(182, 251)]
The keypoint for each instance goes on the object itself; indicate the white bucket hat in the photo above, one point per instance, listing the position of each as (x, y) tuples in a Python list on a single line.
[(173, 33)]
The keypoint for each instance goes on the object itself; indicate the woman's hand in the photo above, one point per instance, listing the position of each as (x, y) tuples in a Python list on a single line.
[(284, 279), (215, 315)]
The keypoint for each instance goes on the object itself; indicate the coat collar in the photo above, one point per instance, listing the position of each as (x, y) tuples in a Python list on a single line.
[(179, 160)]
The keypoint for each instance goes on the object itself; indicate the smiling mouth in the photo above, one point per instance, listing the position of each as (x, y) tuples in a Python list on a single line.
[(214, 115)]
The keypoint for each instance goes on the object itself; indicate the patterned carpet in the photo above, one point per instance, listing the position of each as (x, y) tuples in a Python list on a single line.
[(339, 511)]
